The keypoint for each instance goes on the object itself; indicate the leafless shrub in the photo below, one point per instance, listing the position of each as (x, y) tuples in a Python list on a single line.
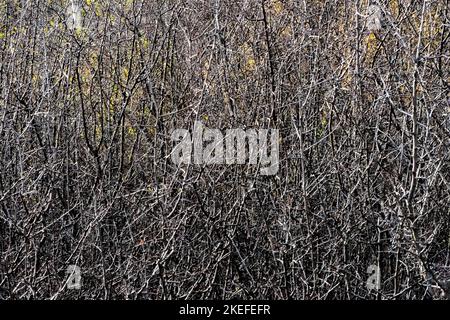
[(86, 178)]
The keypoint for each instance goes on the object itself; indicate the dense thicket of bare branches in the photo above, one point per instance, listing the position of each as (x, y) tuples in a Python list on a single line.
[(362, 102)]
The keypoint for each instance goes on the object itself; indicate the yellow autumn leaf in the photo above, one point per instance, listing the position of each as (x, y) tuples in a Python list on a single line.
[(79, 32), (125, 73), (394, 8), (286, 32), (250, 65), (131, 131), (128, 4), (371, 44), (250, 62), (145, 42), (277, 6)]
